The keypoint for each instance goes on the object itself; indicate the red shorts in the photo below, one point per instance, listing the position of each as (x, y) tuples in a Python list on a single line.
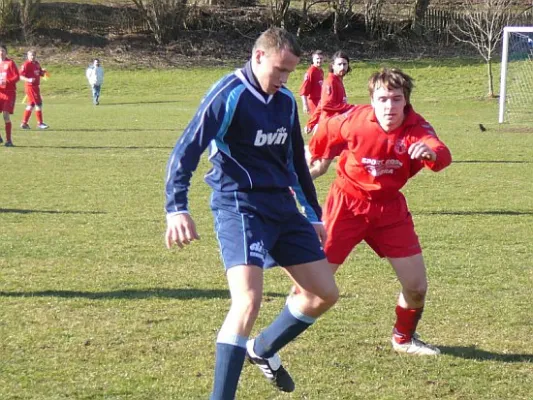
[(386, 226), (33, 94), (7, 101)]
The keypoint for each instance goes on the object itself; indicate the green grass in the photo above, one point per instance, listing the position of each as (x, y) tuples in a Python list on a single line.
[(92, 305)]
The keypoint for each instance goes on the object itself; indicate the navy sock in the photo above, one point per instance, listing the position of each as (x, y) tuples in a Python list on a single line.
[(230, 354), (288, 325)]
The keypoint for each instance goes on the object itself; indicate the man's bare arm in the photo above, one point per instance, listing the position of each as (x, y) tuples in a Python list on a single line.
[(319, 167)]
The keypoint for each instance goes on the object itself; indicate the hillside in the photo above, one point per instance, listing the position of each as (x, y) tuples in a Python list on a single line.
[(74, 32)]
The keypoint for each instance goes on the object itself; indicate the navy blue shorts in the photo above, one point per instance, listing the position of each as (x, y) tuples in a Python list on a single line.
[(263, 229)]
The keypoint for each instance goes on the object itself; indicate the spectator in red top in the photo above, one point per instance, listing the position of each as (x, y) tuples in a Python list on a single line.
[(333, 96), (311, 87), (381, 146), (9, 76), (31, 72)]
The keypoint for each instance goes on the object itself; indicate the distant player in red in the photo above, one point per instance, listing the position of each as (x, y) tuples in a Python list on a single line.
[(9, 76), (311, 87), (381, 147), (31, 72), (333, 96)]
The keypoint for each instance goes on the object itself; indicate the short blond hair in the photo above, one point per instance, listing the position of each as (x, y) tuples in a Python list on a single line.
[(391, 78), (278, 39)]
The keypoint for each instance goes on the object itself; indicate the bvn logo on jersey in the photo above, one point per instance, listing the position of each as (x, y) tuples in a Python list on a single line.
[(278, 137)]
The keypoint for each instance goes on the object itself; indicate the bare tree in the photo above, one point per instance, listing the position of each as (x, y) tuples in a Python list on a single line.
[(342, 12), (28, 13), (306, 7), (372, 16), (419, 10), (278, 12), (163, 17), (481, 26)]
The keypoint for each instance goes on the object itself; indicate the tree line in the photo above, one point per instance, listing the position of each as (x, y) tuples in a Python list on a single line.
[(476, 23)]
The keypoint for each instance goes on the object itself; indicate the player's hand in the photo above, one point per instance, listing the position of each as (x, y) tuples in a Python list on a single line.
[(421, 151), (321, 233), (181, 230), (314, 169), (319, 167)]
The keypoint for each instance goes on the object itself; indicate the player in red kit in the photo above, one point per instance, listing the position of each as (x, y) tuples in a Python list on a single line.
[(31, 72), (333, 95), (9, 76), (381, 146), (311, 87)]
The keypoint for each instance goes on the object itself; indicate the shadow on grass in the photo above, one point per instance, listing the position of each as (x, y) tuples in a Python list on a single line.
[(473, 353), (136, 294), (487, 212), (490, 162), (22, 211), (99, 147), (129, 130), (126, 103)]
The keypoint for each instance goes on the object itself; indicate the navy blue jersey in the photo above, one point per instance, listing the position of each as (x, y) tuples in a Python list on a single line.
[(254, 143)]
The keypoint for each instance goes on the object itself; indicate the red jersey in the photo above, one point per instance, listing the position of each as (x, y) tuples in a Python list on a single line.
[(32, 69), (332, 100), (312, 85), (374, 164), (9, 75)]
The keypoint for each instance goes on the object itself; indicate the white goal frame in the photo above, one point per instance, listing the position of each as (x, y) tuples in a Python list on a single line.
[(505, 59)]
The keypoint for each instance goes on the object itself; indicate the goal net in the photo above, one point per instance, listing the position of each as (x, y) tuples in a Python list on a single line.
[(516, 87)]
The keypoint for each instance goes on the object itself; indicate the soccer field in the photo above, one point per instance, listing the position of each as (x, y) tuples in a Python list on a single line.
[(93, 306)]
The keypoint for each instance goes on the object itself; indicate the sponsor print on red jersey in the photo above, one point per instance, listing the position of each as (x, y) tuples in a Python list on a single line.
[(375, 164)]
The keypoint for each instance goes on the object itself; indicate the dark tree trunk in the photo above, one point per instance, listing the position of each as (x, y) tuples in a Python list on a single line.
[(419, 10)]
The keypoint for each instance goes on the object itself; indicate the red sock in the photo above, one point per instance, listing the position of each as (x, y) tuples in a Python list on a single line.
[(26, 116), (406, 322), (8, 131), (39, 115)]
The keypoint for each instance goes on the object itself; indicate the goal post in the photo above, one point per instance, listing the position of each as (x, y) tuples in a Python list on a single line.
[(516, 81)]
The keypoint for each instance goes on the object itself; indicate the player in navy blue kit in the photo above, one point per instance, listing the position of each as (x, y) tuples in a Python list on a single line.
[(250, 122)]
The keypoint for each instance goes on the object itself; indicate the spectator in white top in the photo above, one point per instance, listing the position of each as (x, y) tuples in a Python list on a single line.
[(95, 76)]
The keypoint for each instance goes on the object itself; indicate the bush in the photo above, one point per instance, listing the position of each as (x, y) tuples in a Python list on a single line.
[(8, 16)]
